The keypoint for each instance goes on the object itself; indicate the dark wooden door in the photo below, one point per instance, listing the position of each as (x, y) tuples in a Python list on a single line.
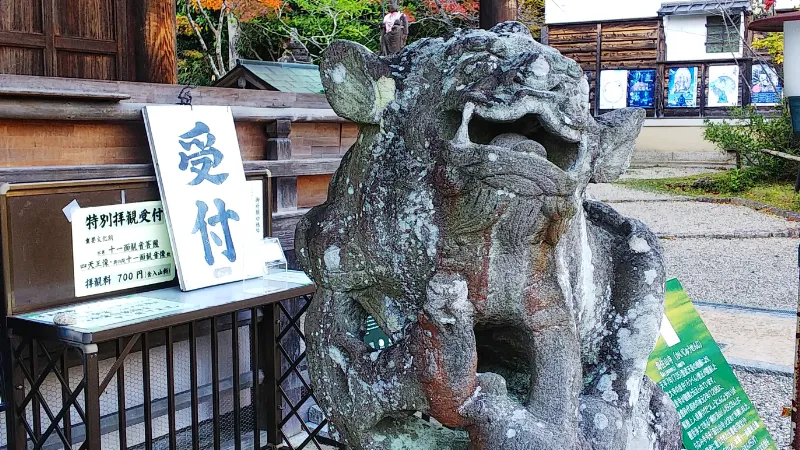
[(65, 38)]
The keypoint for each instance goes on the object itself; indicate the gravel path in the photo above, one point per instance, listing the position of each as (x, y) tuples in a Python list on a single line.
[(755, 272), (702, 219), (617, 193), (745, 272), (650, 173), (770, 393)]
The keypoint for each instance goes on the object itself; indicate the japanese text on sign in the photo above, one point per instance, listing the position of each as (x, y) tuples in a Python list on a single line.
[(689, 367), (119, 247), (202, 183)]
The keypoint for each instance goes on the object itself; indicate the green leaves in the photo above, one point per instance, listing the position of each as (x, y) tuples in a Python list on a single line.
[(748, 131)]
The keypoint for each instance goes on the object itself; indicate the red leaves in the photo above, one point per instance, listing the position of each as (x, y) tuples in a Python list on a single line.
[(453, 7)]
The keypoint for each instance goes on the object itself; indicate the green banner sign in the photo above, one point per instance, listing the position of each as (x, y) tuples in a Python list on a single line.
[(689, 366)]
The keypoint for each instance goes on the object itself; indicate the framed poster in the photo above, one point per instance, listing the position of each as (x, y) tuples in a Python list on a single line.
[(682, 88), (723, 86), (641, 88), (120, 247), (613, 89), (766, 88), (206, 198)]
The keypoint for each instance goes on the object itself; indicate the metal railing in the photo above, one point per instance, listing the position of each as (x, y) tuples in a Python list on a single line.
[(236, 380)]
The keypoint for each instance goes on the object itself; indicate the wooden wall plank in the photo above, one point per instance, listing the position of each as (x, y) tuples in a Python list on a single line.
[(252, 140), (168, 94), (37, 174), (312, 190), (22, 61), (22, 16), (349, 136), (310, 140), (51, 143), (84, 65), (90, 19)]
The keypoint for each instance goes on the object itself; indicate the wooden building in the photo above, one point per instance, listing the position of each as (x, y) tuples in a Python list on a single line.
[(98, 125), (707, 39)]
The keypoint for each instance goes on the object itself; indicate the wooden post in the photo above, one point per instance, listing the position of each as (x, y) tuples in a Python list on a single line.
[(279, 147), (745, 74), (597, 69), (155, 35), (497, 11), (661, 57), (701, 82)]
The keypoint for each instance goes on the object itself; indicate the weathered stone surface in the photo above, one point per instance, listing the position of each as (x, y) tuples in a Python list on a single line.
[(521, 315)]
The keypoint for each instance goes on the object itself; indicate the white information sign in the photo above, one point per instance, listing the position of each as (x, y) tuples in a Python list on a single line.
[(105, 313), (206, 197), (723, 86), (256, 188), (119, 247), (613, 89), (256, 191)]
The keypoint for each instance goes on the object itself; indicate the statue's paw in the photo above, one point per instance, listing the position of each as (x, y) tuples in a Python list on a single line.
[(492, 384), (447, 300), (509, 425), (604, 426)]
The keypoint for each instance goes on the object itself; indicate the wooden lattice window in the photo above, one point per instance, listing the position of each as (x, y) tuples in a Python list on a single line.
[(723, 33)]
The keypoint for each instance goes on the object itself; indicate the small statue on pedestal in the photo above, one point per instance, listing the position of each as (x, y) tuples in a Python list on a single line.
[(394, 30)]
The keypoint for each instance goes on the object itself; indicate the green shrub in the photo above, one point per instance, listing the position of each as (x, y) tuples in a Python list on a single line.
[(733, 181), (736, 180), (748, 131)]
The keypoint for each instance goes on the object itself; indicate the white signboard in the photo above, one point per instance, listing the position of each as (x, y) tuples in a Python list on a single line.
[(206, 197), (723, 86), (257, 198), (256, 191), (613, 89), (102, 314), (119, 247)]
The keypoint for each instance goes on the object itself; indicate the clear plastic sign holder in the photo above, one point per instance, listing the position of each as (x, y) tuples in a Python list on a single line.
[(266, 267)]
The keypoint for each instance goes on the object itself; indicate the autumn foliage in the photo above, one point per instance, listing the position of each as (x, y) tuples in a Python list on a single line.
[(453, 7), (260, 29)]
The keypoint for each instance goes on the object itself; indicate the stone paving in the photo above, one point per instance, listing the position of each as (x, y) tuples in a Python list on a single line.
[(740, 266)]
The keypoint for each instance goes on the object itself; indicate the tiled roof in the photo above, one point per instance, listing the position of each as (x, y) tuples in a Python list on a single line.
[(703, 7), (284, 77)]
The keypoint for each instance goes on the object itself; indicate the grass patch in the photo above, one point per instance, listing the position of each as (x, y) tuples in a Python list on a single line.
[(779, 194)]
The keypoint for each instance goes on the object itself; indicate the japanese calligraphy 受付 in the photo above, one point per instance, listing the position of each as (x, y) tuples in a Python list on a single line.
[(201, 226), (204, 159)]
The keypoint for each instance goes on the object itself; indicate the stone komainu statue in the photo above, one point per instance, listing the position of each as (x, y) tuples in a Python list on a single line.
[(521, 315)]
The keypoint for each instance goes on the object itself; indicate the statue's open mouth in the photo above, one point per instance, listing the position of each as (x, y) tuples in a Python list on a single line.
[(525, 155), (530, 134)]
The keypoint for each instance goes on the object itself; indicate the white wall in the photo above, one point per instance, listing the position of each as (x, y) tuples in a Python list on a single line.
[(570, 11), (787, 4), (686, 39)]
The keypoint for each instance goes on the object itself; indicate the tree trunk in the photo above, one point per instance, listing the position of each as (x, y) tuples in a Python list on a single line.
[(497, 11), (233, 40)]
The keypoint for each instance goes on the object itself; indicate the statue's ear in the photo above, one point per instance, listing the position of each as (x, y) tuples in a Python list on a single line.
[(619, 130), (357, 82)]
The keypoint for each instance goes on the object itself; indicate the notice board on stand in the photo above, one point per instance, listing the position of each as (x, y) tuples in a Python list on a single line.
[(205, 193), (37, 237)]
